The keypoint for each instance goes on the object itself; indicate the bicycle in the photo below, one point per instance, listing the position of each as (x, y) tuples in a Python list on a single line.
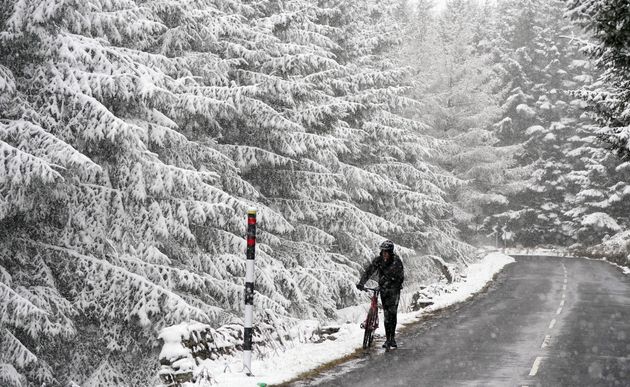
[(371, 322)]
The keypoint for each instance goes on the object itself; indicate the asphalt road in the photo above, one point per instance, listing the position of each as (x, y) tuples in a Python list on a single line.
[(543, 322)]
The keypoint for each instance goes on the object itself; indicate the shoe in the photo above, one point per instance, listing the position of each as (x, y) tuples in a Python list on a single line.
[(386, 344), (392, 343)]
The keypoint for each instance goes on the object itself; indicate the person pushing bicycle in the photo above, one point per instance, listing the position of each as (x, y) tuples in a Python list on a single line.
[(391, 275)]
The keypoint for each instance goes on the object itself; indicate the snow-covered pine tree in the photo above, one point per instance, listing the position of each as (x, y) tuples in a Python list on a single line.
[(324, 190), (541, 116), (394, 146), (597, 191), (595, 185), (608, 24), (110, 176), (459, 88), (599, 208), (464, 85), (304, 185), (135, 134)]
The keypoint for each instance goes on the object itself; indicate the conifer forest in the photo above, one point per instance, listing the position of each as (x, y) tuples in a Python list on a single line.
[(135, 134)]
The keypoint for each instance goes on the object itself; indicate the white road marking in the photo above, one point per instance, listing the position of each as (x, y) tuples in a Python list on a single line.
[(535, 366), (545, 342), (547, 338)]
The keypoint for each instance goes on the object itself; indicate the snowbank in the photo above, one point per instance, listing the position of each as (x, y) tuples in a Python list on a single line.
[(477, 277), (300, 357)]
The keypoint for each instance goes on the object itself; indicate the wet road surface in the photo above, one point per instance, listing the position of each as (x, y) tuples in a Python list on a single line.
[(544, 322)]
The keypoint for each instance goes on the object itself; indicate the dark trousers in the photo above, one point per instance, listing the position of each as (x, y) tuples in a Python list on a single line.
[(389, 299)]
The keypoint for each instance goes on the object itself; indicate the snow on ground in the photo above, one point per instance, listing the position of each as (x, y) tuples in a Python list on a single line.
[(303, 357), (559, 251), (477, 276)]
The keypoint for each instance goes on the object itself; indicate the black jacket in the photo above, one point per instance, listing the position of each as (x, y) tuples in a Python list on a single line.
[(390, 275)]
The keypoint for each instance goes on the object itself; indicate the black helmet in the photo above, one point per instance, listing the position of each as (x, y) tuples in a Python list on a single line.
[(388, 245)]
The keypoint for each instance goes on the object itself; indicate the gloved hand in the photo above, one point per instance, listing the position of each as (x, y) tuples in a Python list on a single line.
[(360, 287)]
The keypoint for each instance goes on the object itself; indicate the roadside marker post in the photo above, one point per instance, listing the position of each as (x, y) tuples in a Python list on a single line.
[(249, 291)]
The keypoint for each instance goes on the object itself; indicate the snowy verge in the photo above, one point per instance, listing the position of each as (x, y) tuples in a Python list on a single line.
[(303, 357)]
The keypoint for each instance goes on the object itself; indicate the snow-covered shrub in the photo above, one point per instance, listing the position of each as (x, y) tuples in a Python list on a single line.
[(184, 347)]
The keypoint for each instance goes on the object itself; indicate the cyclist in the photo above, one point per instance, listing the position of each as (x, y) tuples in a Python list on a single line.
[(391, 275)]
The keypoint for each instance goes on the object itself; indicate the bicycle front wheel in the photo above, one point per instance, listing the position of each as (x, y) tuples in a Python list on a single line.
[(367, 337), (369, 331)]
